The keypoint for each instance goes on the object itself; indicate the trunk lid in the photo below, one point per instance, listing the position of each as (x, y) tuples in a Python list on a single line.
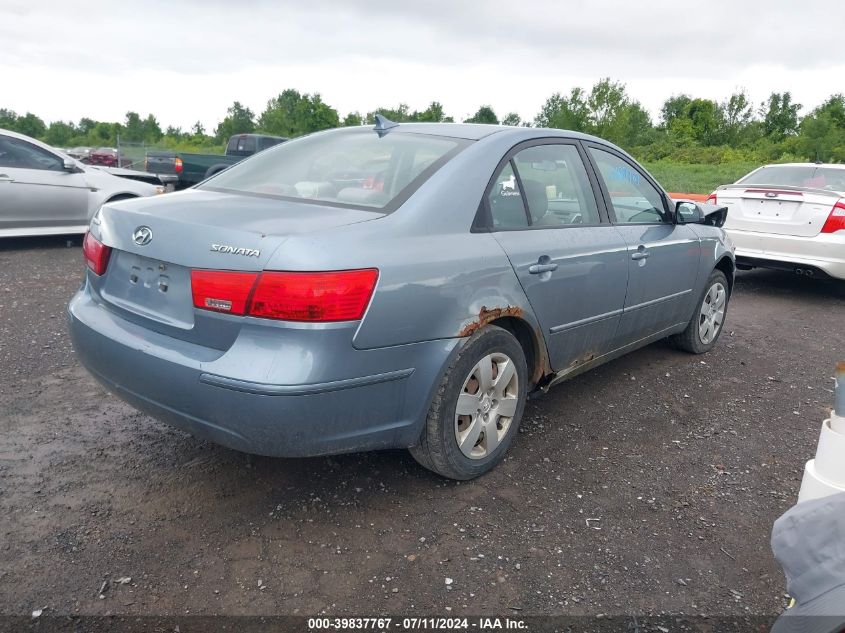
[(781, 210), (150, 282)]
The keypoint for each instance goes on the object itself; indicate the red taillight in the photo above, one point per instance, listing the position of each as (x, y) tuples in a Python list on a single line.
[(177, 165), (327, 296), (222, 291), (341, 295), (96, 254), (836, 219), (712, 199)]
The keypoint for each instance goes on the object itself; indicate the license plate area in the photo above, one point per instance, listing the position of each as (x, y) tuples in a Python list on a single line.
[(770, 209), (153, 289)]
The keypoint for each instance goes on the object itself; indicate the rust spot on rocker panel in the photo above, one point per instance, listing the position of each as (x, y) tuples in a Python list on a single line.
[(584, 358), (486, 316)]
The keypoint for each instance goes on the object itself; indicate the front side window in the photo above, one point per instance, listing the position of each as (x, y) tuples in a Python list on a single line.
[(356, 168), (556, 186), (22, 155), (635, 200)]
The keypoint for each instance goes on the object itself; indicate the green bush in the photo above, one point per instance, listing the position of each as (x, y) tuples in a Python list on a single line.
[(697, 178)]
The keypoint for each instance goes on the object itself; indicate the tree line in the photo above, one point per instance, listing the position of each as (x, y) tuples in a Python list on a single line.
[(688, 130)]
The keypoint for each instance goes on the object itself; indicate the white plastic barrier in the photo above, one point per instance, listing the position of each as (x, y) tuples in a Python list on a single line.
[(825, 475)]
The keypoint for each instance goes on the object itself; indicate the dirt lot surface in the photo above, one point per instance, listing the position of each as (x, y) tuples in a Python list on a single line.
[(646, 486)]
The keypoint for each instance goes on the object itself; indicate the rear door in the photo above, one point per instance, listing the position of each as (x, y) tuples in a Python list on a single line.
[(571, 262), (36, 192), (662, 259)]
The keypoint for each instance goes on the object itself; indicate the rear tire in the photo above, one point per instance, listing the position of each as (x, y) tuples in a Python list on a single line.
[(214, 169), (708, 321), (490, 376)]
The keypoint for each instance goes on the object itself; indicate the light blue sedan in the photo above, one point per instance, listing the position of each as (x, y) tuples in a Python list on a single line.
[(407, 285)]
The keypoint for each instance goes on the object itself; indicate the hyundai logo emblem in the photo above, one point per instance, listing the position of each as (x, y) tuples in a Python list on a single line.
[(771, 194), (142, 236)]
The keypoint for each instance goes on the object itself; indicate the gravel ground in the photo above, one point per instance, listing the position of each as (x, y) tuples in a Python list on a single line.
[(648, 485)]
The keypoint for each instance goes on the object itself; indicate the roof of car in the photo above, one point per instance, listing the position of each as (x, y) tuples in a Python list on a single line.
[(34, 141), (23, 137), (833, 165), (477, 131)]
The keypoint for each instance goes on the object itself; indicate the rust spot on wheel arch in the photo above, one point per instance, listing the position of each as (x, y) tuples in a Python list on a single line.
[(488, 315)]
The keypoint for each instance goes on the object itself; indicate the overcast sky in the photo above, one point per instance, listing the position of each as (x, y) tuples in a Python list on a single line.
[(188, 60)]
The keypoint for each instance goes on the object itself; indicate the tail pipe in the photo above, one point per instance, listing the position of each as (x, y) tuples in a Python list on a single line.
[(825, 475)]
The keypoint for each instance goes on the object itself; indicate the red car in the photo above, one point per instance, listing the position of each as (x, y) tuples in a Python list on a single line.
[(107, 157)]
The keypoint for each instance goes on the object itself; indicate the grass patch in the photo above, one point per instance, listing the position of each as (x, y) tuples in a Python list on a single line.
[(686, 178)]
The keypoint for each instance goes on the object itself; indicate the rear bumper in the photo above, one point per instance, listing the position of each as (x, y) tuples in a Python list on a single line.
[(825, 252), (378, 399)]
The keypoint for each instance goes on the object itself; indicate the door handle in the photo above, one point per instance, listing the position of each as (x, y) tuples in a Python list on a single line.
[(641, 253), (6, 178), (537, 269)]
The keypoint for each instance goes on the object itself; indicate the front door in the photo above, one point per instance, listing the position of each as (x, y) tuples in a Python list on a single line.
[(571, 262), (663, 257)]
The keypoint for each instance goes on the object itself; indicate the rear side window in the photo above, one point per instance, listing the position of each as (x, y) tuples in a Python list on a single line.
[(556, 186), (507, 208), (266, 142), (355, 168), (634, 199)]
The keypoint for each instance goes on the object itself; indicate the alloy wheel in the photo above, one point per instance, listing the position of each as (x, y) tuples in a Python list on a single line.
[(712, 313), (486, 405)]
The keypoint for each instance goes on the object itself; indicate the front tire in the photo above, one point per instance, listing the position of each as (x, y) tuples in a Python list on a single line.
[(477, 409), (120, 196), (707, 322)]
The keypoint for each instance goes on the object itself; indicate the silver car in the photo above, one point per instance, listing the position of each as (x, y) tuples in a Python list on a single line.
[(46, 192), (403, 286), (788, 217)]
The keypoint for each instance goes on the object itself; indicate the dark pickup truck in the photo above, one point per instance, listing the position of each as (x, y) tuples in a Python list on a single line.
[(193, 168)]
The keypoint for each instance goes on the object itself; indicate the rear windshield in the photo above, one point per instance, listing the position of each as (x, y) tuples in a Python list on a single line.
[(241, 144), (350, 168), (810, 176)]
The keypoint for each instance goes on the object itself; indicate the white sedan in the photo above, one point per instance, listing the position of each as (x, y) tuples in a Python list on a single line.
[(788, 217), (46, 192)]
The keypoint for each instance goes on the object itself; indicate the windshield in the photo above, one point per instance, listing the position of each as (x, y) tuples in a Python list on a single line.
[(809, 176), (350, 167)]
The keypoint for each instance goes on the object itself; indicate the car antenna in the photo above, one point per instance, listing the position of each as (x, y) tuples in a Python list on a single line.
[(383, 125)]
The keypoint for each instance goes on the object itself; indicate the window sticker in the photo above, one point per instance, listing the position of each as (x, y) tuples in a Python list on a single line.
[(509, 187), (623, 173)]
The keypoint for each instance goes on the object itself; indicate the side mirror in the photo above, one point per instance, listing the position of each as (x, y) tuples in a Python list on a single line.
[(687, 212), (69, 165)]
